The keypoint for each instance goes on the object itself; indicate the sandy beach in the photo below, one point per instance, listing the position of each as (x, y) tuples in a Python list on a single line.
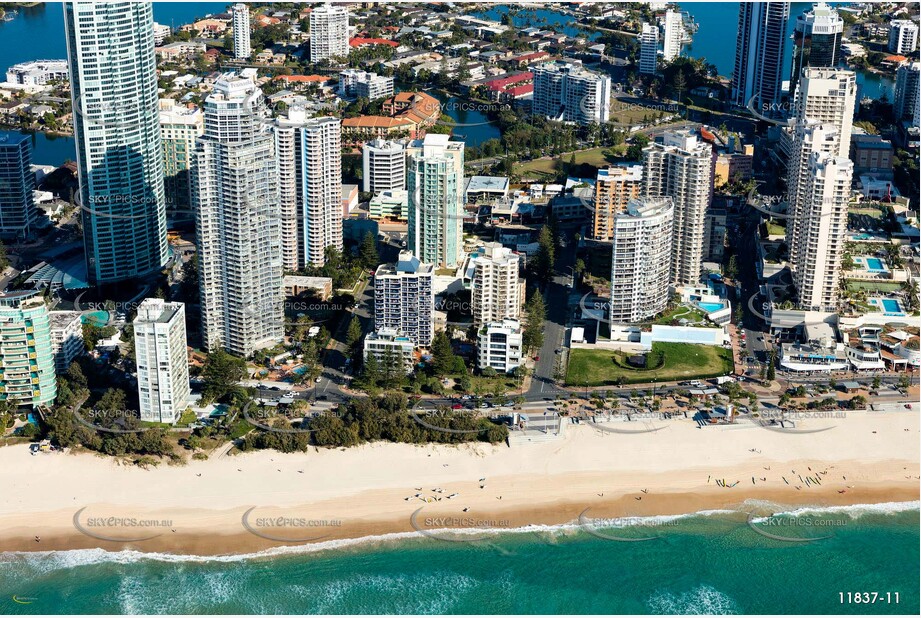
[(251, 502)]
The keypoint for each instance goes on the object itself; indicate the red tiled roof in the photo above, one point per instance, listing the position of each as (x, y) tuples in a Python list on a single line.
[(359, 41), (319, 79), (501, 83)]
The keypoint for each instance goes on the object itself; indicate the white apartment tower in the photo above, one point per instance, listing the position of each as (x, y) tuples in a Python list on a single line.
[(363, 84), (113, 75), (309, 153), (681, 167), (903, 36), (497, 289), (817, 233), (674, 34), (649, 49), (238, 217), (162, 360), (242, 49), (818, 183), (383, 166), (641, 259), (568, 92), (760, 49), (180, 128), (435, 181), (329, 32), (404, 299)]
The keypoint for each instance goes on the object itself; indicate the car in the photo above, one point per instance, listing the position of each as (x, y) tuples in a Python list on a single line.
[(537, 358), (317, 381), (456, 406), (322, 398), (466, 397), (275, 388), (558, 351), (908, 406)]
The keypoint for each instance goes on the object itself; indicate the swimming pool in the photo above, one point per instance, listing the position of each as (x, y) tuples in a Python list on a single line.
[(875, 265), (710, 307), (890, 305), (96, 318)]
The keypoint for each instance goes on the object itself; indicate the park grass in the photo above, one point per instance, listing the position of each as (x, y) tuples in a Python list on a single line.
[(682, 361), (873, 286), (601, 157), (775, 230)]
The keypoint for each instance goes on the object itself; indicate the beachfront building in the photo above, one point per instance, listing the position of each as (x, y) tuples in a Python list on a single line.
[(903, 36), (162, 360), (242, 49), (364, 85), (27, 375), (568, 92), (674, 34), (180, 127), (641, 259), (329, 32), (819, 176), (497, 289), (117, 130), (649, 49), (435, 180), (614, 188), (404, 299), (66, 338), (17, 183), (390, 350), (238, 221), (499, 346), (37, 72), (309, 154), (681, 167), (907, 104), (817, 230), (383, 166), (760, 49), (816, 40)]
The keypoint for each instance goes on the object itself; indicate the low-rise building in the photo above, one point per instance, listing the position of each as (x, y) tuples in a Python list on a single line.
[(499, 345), (295, 285), (389, 205), (389, 348)]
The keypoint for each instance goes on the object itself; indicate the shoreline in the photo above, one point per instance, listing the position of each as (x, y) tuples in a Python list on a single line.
[(206, 544), (372, 492)]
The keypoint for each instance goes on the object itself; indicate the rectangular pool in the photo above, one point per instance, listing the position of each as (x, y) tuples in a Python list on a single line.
[(710, 307), (875, 265), (891, 305)]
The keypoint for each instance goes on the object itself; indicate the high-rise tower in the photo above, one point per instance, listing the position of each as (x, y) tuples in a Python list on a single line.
[(110, 50)]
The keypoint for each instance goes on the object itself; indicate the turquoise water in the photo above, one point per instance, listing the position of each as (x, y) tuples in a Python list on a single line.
[(710, 307), (699, 564), (96, 318), (891, 305), (875, 264)]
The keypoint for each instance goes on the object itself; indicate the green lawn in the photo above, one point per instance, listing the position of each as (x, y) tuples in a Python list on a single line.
[(774, 229), (682, 361), (682, 312), (873, 286), (598, 157)]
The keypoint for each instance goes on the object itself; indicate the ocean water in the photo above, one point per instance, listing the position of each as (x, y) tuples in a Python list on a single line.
[(707, 563)]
